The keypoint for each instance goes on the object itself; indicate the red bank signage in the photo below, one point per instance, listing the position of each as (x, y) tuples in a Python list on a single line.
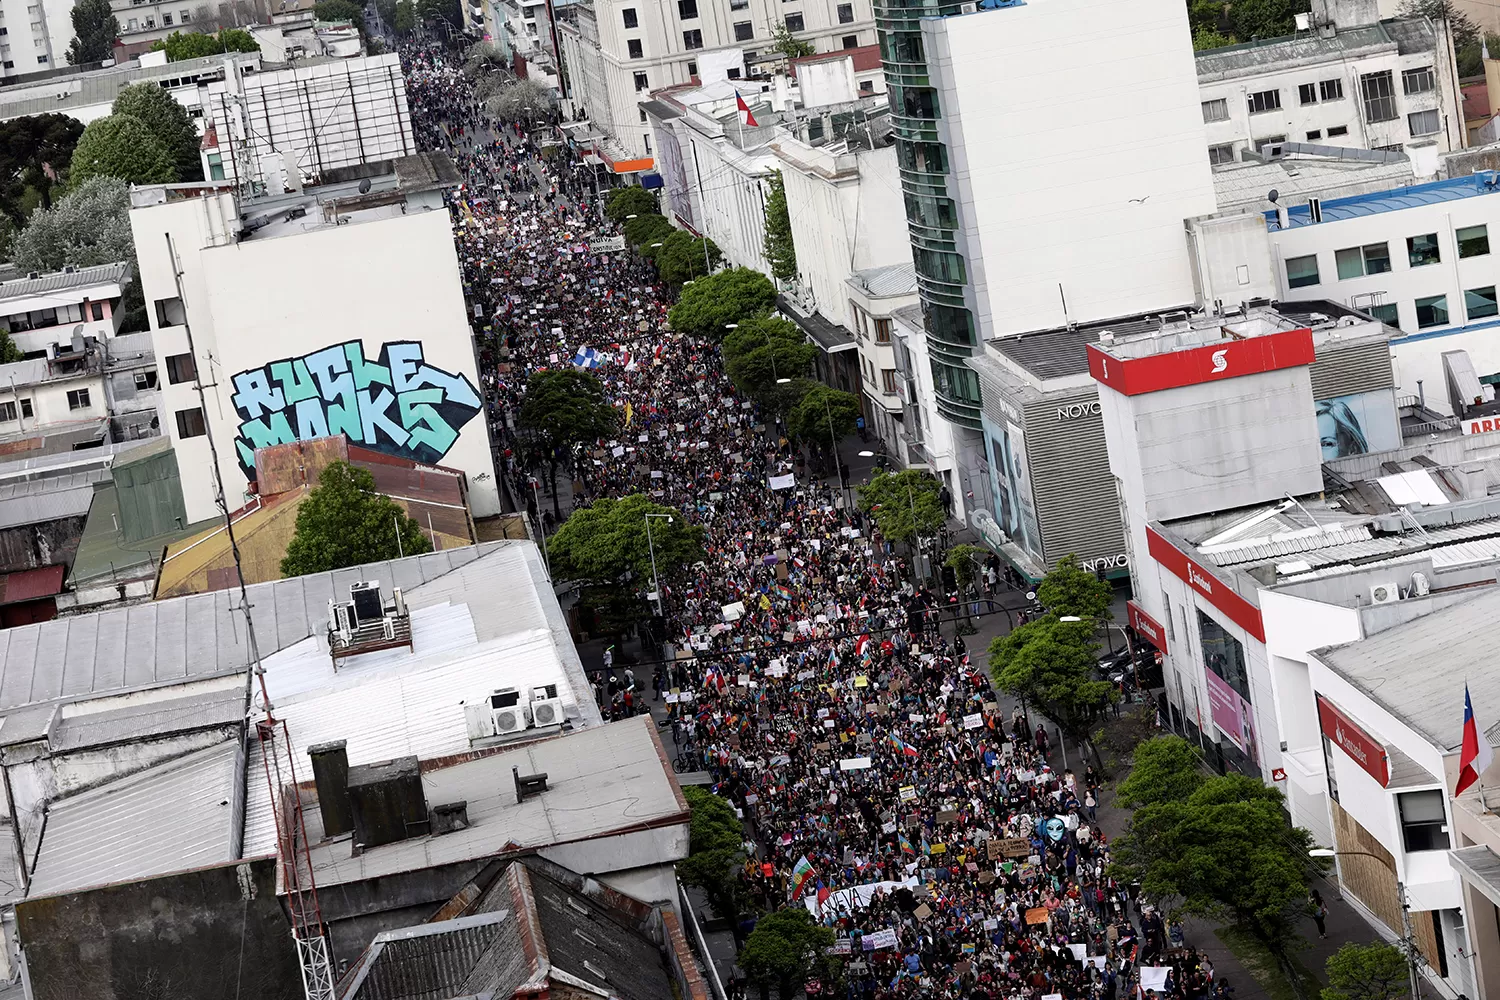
[(1354, 741), (1229, 359), (1216, 591), (1147, 626)]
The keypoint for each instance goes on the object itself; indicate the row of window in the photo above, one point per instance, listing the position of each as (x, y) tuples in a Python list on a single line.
[(40, 319), (1375, 258), (687, 10), (134, 24), (1377, 91)]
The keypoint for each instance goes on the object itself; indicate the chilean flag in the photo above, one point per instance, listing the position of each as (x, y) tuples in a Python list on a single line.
[(1475, 756), (739, 102)]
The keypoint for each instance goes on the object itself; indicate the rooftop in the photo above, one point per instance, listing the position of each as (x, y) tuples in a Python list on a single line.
[(888, 281), (600, 782), (1310, 48), (866, 58), (68, 93), (1245, 184), (1451, 647), (64, 280), (1393, 200)]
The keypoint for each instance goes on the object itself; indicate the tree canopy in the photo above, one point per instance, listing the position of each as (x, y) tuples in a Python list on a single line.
[(34, 150), (724, 297), (1375, 971), (1165, 769), (632, 200), (607, 539), (780, 249), (95, 29), (821, 414), (168, 121), (788, 44), (755, 371), (683, 258), (1072, 590), (784, 948), (1051, 664), (521, 100), (121, 146), (340, 10), (904, 504), (404, 20), (752, 333), (181, 45), (566, 407), (1465, 32), (645, 229), (715, 851), (344, 522), (89, 226)]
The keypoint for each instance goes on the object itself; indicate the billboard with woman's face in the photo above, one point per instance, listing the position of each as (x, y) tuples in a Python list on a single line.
[(1357, 424)]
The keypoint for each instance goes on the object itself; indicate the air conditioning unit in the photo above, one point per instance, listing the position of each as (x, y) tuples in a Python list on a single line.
[(479, 720), (368, 606), (341, 619), (509, 714), (546, 706), (968, 8), (1384, 593)]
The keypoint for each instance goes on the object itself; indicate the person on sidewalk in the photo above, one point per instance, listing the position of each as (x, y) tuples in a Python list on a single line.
[(1319, 912)]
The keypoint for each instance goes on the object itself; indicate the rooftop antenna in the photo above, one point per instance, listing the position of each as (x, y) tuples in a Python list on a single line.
[(291, 831)]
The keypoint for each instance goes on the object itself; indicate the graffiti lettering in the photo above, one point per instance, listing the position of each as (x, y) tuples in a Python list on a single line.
[(397, 404)]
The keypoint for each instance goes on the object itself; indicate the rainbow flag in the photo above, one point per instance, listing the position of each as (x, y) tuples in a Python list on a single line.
[(800, 874)]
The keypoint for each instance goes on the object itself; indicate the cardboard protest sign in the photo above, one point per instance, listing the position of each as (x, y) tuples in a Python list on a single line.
[(1036, 915)]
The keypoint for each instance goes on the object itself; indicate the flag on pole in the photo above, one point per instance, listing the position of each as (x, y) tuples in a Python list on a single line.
[(800, 874), (905, 748), (739, 102), (1475, 755), (784, 592)]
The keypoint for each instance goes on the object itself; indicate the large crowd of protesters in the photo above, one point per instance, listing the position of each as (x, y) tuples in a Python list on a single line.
[(882, 785)]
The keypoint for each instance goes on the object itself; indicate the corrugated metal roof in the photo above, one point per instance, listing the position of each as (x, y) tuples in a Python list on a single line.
[(880, 282), (1393, 200), (57, 281), (39, 508), (122, 831), (30, 584), (205, 709)]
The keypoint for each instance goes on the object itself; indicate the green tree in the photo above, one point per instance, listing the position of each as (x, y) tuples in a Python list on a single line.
[(9, 352), (340, 10), (121, 146), (344, 522), (819, 414), (682, 258), (906, 505), (632, 200), (784, 948), (33, 151), (95, 29), (644, 229), (1072, 590), (87, 227), (1210, 38), (780, 249), (181, 45), (715, 853), (237, 40), (168, 121), (1229, 854), (1265, 18), (964, 560), (751, 334), (788, 44), (1051, 663), (1465, 32), (1165, 769), (448, 11), (731, 296), (1375, 971), (405, 19), (755, 372), (607, 539), (561, 410)]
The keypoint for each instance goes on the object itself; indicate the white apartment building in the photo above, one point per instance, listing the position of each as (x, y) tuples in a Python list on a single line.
[(619, 51), (874, 296), (326, 312), (44, 313), (89, 96), (928, 440)]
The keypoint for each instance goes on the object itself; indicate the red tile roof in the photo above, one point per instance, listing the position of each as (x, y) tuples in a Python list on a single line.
[(866, 58), (30, 584)]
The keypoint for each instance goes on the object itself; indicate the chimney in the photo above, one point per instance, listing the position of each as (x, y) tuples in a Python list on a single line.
[(387, 802), (330, 767), (450, 817)]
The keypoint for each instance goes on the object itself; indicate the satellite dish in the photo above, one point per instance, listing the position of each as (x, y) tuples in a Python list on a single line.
[(364, 187), (1273, 195)]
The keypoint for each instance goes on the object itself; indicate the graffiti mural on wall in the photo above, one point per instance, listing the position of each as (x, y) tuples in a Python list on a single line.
[(397, 404)]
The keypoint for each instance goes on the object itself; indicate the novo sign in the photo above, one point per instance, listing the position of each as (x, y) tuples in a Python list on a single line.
[(1215, 591), (396, 403), (1354, 741), (1073, 411), (1174, 369), (1146, 626)]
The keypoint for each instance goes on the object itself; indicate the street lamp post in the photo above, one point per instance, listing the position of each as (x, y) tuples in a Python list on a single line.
[(1135, 668), (655, 580), (1408, 941)]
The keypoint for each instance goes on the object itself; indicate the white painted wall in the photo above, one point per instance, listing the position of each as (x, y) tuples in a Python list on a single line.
[(731, 190), (1040, 204)]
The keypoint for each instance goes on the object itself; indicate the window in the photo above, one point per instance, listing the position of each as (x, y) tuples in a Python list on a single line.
[(1221, 154), (1356, 262), (888, 381), (1331, 90), (190, 423), (1379, 95), (1216, 110), (10, 64), (1424, 822), (132, 24), (169, 312), (1473, 241), (642, 109), (794, 23), (744, 31), (1480, 302), (1386, 313), (846, 13), (180, 368), (646, 141), (850, 41), (692, 39), (145, 380), (1265, 100), (1432, 311), (640, 82), (882, 331), (42, 60), (1223, 654), (1423, 122), (98, 310), (26, 407), (636, 50), (1267, 141), (1307, 93), (150, 22), (687, 9), (734, 72), (1334, 131), (692, 67), (215, 166), (914, 102), (1422, 250), (1328, 769), (1417, 81), (739, 4), (166, 20), (1316, 133), (1302, 271), (867, 86), (628, 15), (185, 16), (78, 399), (7, 412)]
